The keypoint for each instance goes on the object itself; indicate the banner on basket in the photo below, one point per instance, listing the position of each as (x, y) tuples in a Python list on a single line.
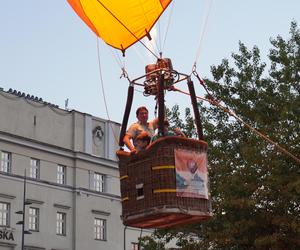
[(191, 174)]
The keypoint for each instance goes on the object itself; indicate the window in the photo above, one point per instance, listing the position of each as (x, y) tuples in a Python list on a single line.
[(60, 223), (5, 158), (33, 216), (99, 229), (4, 214), (135, 246), (34, 168), (61, 174), (99, 182)]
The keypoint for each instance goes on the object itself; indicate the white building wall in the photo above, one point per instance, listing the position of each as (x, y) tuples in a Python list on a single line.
[(83, 144)]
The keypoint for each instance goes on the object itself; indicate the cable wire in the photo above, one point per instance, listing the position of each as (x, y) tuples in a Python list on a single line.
[(115, 17), (159, 36), (168, 26), (216, 103), (103, 92), (155, 43), (116, 57), (203, 30), (142, 58)]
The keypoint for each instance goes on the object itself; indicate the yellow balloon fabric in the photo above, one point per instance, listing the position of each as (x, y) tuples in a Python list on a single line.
[(120, 23)]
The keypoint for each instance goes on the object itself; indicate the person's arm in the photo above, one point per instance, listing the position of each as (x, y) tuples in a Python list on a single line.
[(154, 123), (127, 141)]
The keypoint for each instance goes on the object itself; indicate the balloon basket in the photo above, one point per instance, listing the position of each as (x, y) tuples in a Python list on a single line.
[(148, 186)]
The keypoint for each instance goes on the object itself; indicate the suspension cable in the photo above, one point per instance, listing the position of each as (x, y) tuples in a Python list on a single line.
[(142, 58), (168, 26), (125, 75), (194, 72), (159, 37), (155, 43), (115, 17), (103, 92), (216, 103), (116, 57), (203, 30)]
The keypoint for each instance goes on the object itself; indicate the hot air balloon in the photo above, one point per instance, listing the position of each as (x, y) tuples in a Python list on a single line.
[(120, 23), (166, 185)]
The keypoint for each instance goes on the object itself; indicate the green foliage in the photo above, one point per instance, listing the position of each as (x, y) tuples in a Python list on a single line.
[(187, 126), (255, 189), (151, 243), (255, 200)]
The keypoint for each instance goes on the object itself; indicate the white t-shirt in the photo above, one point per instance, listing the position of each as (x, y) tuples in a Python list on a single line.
[(136, 128)]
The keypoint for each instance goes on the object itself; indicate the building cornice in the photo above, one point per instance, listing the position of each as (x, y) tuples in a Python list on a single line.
[(33, 247), (7, 196), (99, 212), (33, 201), (6, 244), (61, 206)]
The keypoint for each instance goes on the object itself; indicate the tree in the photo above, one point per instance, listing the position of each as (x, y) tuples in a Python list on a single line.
[(187, 126), (255, 188)]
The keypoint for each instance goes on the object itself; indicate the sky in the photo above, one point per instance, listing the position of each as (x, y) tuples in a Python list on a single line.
[(48, 52)]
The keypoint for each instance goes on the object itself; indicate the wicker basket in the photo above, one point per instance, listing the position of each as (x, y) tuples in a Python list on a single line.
[(148, 187)]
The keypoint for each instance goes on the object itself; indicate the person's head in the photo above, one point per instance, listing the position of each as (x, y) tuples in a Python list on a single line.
[(142, 114)]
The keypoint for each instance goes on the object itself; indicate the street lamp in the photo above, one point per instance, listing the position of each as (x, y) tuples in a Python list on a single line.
[(22, 222)]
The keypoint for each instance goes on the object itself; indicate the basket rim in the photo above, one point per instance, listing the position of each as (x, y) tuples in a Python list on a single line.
[(166, 140)]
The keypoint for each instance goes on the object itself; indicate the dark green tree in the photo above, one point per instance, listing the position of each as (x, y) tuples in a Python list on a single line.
[(152, 243), (187, 126), (255, 188)]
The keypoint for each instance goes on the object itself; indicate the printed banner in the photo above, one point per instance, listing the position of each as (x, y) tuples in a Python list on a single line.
[(191, 174)]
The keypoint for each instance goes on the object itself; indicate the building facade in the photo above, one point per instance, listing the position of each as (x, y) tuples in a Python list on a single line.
[(72, 179)]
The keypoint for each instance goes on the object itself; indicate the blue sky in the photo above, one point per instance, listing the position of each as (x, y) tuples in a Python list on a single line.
[(47, 51)]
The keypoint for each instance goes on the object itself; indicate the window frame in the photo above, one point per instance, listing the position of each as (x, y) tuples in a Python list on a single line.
[(100, 229), (99, 182), (135, 246), (34, 219), (34, 168), (5, 212), (61, 177), (5, 164), (61, 222)]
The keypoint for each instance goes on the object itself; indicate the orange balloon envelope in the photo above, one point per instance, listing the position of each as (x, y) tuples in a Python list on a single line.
[(120, 23)]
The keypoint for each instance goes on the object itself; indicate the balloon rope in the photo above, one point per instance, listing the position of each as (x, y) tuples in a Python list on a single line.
[(203, 30), (168, 26), (231, 113), (103, 92), (154, 43), (159, 37), (114, 16), (116, 58), (141, 57)]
